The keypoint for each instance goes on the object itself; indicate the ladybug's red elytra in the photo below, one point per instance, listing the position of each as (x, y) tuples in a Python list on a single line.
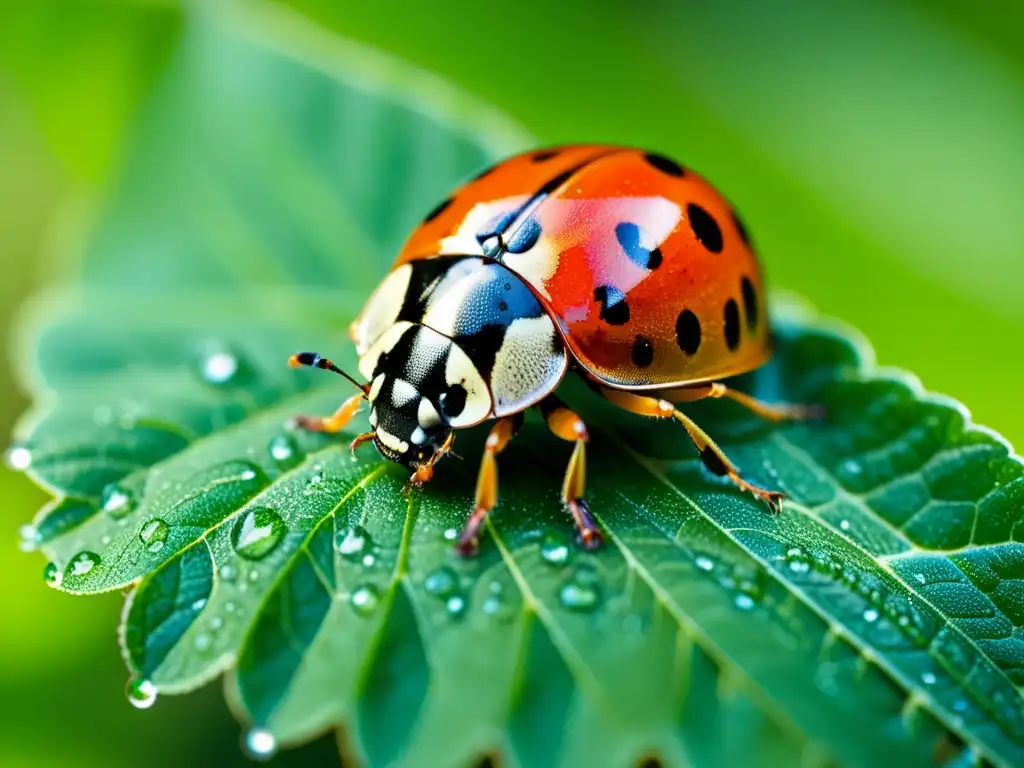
[(615, 262)]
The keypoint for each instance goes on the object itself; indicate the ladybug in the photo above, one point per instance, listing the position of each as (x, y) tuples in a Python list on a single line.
[(616, 263)]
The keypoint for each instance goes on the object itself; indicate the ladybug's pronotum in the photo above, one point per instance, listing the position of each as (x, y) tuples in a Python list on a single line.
[(617, 263)]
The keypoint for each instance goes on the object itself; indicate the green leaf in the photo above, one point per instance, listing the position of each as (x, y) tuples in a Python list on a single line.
[(877, 620)]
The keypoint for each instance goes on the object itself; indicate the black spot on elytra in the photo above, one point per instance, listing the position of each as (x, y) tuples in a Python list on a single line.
[(705, 228), (749, 302), (628, 234), (688, 332), (614, 309), (438, 210), (543, 155), (525, 237), (642, 352), (713, 461), (452, 401), (732, 325), (742, 230), (664, 164)]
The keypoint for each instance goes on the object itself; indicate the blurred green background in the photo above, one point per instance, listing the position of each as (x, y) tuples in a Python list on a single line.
[(876, 149)]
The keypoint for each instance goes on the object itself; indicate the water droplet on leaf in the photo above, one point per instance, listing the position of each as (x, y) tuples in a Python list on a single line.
[(870, 615), (704, 563), (141, 693), (928, 678), (257, 533), (53, 575), (455, 605), (441, 582), (30, 538), (451, 534), (744, 602), (260, 744), (579, 596), (199, 604), (852, 467), (352, 542), (282, 449), (364, 600), (18, 458), (83, 563), (153, 534), (203, 642), (554, 550), (227, 572), (220, 368), (491, 605), (117, 501)]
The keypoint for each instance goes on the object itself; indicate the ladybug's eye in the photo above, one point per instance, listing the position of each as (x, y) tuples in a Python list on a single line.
[(453, 401)]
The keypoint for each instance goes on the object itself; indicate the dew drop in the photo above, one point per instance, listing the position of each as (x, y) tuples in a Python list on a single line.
[(578, 596), (744, 602), (554, 550), (83, 563), (282, 449), (852, 467), (229, 607), (455, 605), (117, 501), (227, 572), (257, 533), (491, 605), (364, 600), (844, 525), (870, 615), (216, 623), (451, 534), (18, 458), (30, 538), (141, 693), (920, 578), (369, 560), (203, 642), (260, 744), (199, 604), (928, 678), (220, 368), (704, 562), (441, 582), (153, 534), (52, 575), (254, 575), (352, 542)]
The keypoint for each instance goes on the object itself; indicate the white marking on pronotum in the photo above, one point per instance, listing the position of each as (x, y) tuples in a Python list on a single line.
[(403, 392)]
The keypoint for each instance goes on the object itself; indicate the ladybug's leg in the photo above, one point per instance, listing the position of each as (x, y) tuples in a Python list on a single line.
[(764, 410), (487, 482), (565, 424), (712, 456), (334, 423)]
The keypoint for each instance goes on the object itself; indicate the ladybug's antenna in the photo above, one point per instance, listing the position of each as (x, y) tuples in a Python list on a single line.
[(314, 360)]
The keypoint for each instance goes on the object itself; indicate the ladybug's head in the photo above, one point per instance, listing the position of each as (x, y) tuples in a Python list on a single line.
[(407, 426)]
